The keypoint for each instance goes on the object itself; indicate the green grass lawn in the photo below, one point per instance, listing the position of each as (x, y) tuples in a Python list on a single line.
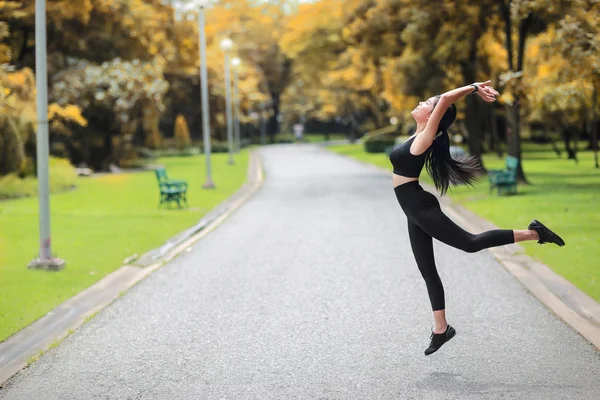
[(562, 194), (94, 228)]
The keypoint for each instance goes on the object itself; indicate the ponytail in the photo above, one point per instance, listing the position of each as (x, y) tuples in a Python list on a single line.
[(443, 169)]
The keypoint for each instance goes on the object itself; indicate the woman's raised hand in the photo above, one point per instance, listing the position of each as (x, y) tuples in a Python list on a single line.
[(486, 92)]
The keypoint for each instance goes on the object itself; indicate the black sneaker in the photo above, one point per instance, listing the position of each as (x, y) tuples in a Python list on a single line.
[(545, 234), (438, 340)]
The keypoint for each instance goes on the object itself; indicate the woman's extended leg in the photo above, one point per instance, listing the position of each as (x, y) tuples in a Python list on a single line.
[(422, 247), (438, 225)]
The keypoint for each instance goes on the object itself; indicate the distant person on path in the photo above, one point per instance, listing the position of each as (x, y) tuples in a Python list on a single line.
[(430, 147), (298, 132)]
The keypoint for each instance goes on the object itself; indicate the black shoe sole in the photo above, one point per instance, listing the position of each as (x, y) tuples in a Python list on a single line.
[(558, 240)]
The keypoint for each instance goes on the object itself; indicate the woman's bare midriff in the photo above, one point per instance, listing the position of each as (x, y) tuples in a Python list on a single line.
[(401, 180)]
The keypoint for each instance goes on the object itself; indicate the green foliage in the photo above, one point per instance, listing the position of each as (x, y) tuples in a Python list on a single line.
[(120, 99), (285, 138), (219, 147), (17, 119), (378, 143), (126, 88), (62, 177)]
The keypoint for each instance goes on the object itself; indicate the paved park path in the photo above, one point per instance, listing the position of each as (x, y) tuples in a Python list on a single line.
[(310, 291)]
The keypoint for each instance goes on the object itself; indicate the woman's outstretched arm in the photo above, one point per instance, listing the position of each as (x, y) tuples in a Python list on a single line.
[(425, 138)]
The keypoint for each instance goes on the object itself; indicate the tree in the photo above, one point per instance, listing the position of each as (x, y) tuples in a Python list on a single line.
[(527, 17), (578, 38), (464, 43), (122, 101), (557, 97), (96, 31), (5, 50), (18, 120), (255, 28), (313, 40), (17, 116), (20, 16), (340, 74), (249, 26)]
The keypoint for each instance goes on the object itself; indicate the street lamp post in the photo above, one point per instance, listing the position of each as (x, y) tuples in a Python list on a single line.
[(226, 45), (236, 98), (209, 184), (45, 259)]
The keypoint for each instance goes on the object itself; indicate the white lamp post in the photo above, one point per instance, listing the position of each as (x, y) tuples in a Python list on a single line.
[(209, 184), (226, 45), (236, 97), (45, 259)]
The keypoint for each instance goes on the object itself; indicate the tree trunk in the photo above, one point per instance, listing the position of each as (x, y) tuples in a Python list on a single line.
[(20, 59), (513, 137), (554, 146), (494, 139), (567, 137), (474, 128), (594, 127), (15, 154), (377, 114), (595, 142), (352, 126), (474, 119), (273, 121), (107, 149), (505, 11)]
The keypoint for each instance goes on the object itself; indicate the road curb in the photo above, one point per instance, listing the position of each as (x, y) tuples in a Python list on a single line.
[(567, 302), (35, 339)]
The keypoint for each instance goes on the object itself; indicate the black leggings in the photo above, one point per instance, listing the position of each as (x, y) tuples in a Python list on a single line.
[(426, 221)]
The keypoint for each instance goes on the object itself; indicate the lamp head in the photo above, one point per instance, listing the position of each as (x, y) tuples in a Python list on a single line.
[(202, 3), (226, 44)]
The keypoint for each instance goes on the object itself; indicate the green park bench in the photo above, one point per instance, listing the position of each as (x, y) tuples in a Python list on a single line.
[(505, 181), (171, 191)]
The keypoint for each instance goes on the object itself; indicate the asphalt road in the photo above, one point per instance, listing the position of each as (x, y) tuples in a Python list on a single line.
[(310, 291)]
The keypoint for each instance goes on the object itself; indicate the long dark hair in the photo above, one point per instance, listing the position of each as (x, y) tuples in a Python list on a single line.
[(443, 169)]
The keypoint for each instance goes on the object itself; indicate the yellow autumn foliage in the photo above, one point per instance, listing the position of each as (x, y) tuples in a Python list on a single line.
[(182, 133), (70, 113)]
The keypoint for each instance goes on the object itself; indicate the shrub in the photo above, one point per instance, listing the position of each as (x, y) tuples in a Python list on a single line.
[(541, 139), (133, 163), (182, 133), (190, 151), (153, 139), (144, 153), (219, 147), (379, 144), (11, 186), (285, 138), (62, 177)]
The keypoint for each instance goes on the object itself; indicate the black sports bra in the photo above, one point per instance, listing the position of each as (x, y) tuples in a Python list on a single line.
[(405, 163)]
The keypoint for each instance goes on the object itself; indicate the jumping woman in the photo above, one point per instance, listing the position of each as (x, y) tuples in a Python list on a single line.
[(430, 146)]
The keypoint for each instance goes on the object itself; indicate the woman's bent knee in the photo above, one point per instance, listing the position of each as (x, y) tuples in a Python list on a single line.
[(472, 245)]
